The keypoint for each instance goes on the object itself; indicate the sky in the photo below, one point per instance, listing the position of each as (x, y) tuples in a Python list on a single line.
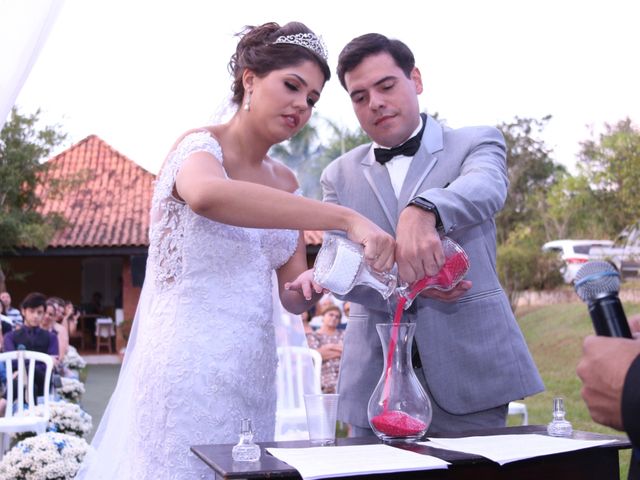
[(138, 73)]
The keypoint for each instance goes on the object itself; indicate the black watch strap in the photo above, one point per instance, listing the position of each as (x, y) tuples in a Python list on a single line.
[(429, 207)]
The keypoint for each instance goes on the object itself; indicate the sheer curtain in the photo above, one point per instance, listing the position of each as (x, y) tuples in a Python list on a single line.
[(24, 28)]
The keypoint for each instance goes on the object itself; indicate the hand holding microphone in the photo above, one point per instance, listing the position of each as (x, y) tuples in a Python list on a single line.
[(598, 283)]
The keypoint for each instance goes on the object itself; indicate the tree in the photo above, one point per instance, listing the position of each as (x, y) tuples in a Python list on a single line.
[(340, 140), (523, 266), (299, 153), (612, 166), (297, 149), (530, 170), (23, 147), (527, 217), (307, 155), (569, 209)]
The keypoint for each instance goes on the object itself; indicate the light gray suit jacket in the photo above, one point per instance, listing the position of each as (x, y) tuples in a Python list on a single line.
[(472, 351)]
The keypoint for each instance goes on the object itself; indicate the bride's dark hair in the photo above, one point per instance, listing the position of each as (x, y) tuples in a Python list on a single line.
[(257, 51)]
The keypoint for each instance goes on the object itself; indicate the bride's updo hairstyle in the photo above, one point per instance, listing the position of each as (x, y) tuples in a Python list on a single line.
[(269, 47)]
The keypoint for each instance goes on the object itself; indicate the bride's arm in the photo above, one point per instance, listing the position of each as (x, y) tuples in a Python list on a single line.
[(297, 300), (201, 183)]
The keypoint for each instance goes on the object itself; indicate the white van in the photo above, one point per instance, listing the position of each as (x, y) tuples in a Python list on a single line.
[(624, 253), (573, 253)]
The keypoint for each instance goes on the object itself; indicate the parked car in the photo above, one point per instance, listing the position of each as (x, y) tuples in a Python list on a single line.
[(573, 253), (624, 253)]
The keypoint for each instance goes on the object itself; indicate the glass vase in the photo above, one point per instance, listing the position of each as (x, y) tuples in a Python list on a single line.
[(399, 408)]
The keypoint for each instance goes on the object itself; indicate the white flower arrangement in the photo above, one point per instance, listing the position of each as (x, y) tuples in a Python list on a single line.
[(48, 456), (66, 417), (71, 390), (72, 360)]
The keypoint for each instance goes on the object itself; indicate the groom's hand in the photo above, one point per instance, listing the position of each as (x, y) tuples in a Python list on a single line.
[(449, 296), (418, 245)]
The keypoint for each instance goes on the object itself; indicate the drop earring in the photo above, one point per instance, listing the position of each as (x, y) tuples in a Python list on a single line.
[(247, 103)]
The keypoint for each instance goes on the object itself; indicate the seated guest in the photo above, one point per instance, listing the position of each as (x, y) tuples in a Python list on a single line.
[(32, 337), (71, 316), (306, 316), (6, 323), (3, 388), (327, 300), (346, 309), (92, 309), (5, 320), (9, 310), (95, 306), (53, 321), (328, 341)]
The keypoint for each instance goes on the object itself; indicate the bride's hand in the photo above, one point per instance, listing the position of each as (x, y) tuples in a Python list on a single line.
[(305, 285), (379, 246)]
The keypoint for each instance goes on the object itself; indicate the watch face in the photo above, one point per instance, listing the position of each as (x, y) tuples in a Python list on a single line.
[(424, 204), (427, 206)]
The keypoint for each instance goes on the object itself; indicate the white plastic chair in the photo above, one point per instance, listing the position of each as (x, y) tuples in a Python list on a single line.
[(293, 382), (105, 330), (517, 408), (19, 421)]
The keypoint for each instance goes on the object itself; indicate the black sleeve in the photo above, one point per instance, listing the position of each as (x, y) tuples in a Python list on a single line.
[(631, 403)]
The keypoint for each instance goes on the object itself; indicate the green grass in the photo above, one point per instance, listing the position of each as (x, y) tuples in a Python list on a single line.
[(554, 334), (99, 384)]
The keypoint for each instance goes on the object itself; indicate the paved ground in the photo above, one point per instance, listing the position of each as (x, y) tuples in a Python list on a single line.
[(100, 381)]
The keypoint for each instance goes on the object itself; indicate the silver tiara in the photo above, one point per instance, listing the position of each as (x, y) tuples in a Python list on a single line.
[(306, 40)]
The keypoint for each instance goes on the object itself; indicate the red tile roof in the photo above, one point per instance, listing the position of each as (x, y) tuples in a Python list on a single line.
[(109, 207)]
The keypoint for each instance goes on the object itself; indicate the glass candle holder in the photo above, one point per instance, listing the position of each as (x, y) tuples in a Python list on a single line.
[(559, 426), (245, 450)]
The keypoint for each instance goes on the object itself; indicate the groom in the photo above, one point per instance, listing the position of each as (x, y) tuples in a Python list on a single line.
[(471, 356)]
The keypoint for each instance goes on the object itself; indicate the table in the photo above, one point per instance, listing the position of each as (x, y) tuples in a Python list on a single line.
[(598, 463)]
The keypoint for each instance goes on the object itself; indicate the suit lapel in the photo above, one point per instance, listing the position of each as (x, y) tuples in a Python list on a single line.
[(380, 183), (422, 163)]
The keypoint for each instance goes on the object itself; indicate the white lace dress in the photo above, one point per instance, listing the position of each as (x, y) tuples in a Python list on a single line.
[(202, 353)]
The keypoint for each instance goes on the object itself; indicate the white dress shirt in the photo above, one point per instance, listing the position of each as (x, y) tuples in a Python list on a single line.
[(398, 166)]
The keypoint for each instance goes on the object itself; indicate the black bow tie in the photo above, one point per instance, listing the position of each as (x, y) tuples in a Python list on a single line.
[(408, 148)]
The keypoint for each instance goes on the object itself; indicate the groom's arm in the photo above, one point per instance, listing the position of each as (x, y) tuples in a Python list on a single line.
[(474, 196), (480, 190)]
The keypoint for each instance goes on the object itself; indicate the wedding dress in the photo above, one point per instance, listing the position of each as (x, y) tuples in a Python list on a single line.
[(202, 352)]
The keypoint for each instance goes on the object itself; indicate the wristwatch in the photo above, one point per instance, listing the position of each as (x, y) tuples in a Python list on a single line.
[(429, 207)]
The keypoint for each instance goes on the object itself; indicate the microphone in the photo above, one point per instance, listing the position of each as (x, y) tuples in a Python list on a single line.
[(597, 283)]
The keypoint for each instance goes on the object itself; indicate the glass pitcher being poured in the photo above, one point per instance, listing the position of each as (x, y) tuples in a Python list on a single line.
[(340, 266)]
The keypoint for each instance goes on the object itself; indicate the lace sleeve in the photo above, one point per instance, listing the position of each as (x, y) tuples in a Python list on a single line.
[(166, 231), (198, 142), (194, 142)]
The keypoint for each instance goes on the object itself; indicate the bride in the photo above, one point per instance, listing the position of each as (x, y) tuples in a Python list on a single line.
[(224, 216)]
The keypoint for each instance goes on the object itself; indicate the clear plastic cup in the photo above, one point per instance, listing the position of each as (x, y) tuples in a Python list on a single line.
[(322, 411)]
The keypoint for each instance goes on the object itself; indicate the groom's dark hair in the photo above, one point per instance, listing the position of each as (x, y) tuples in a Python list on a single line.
[(363, 46)]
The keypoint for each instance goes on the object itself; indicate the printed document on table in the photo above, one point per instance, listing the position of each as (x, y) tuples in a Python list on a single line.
[(328, 462), (509, 448)]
